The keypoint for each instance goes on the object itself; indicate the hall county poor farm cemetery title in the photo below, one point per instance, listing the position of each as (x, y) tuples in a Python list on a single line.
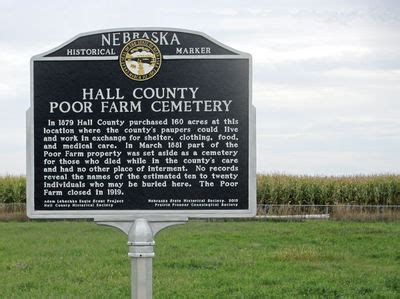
[(175, 99), (141, 122)]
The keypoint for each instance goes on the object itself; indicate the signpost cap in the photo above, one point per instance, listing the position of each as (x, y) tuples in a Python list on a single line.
[(141, 232)]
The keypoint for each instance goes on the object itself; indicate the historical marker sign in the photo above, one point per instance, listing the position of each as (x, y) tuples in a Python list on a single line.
[(149, 121)]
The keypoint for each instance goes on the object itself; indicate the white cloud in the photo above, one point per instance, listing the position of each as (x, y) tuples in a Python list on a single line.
[(390, 76), (329, 163), (326, 74), (332, 52)]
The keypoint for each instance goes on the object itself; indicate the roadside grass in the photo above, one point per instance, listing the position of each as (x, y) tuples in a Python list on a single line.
[(329, 259)]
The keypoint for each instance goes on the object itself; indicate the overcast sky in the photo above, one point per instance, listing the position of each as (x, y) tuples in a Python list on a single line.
[(326, 73)]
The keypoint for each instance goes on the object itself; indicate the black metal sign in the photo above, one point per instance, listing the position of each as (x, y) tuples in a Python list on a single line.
[(139, 122)]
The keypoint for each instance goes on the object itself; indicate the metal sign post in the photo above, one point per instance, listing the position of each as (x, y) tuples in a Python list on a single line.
[(141, 233)]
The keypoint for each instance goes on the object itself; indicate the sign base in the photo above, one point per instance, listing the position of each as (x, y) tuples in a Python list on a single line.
[(141, 233)]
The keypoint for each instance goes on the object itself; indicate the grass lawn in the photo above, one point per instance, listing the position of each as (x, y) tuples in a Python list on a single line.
[(205, 260)]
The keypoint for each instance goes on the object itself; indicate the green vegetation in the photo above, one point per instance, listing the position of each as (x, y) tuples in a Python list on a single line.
[(325, 259), (284, 189), (12, 189), (319, 190)]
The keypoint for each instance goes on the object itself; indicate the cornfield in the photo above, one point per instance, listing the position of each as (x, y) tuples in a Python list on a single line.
[(283, 189), (320, 190), (12, 189)]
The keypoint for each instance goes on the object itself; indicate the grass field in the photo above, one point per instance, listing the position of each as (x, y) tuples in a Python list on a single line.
[(329, 259)]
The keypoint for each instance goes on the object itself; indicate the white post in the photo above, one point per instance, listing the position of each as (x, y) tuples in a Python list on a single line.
[(141, 233), (141, 250)]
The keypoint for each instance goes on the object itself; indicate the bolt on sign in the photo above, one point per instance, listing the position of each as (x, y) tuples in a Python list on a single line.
[(147, 121)]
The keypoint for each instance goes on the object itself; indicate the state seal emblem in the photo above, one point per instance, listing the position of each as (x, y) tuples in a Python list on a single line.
[(140, 59)]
